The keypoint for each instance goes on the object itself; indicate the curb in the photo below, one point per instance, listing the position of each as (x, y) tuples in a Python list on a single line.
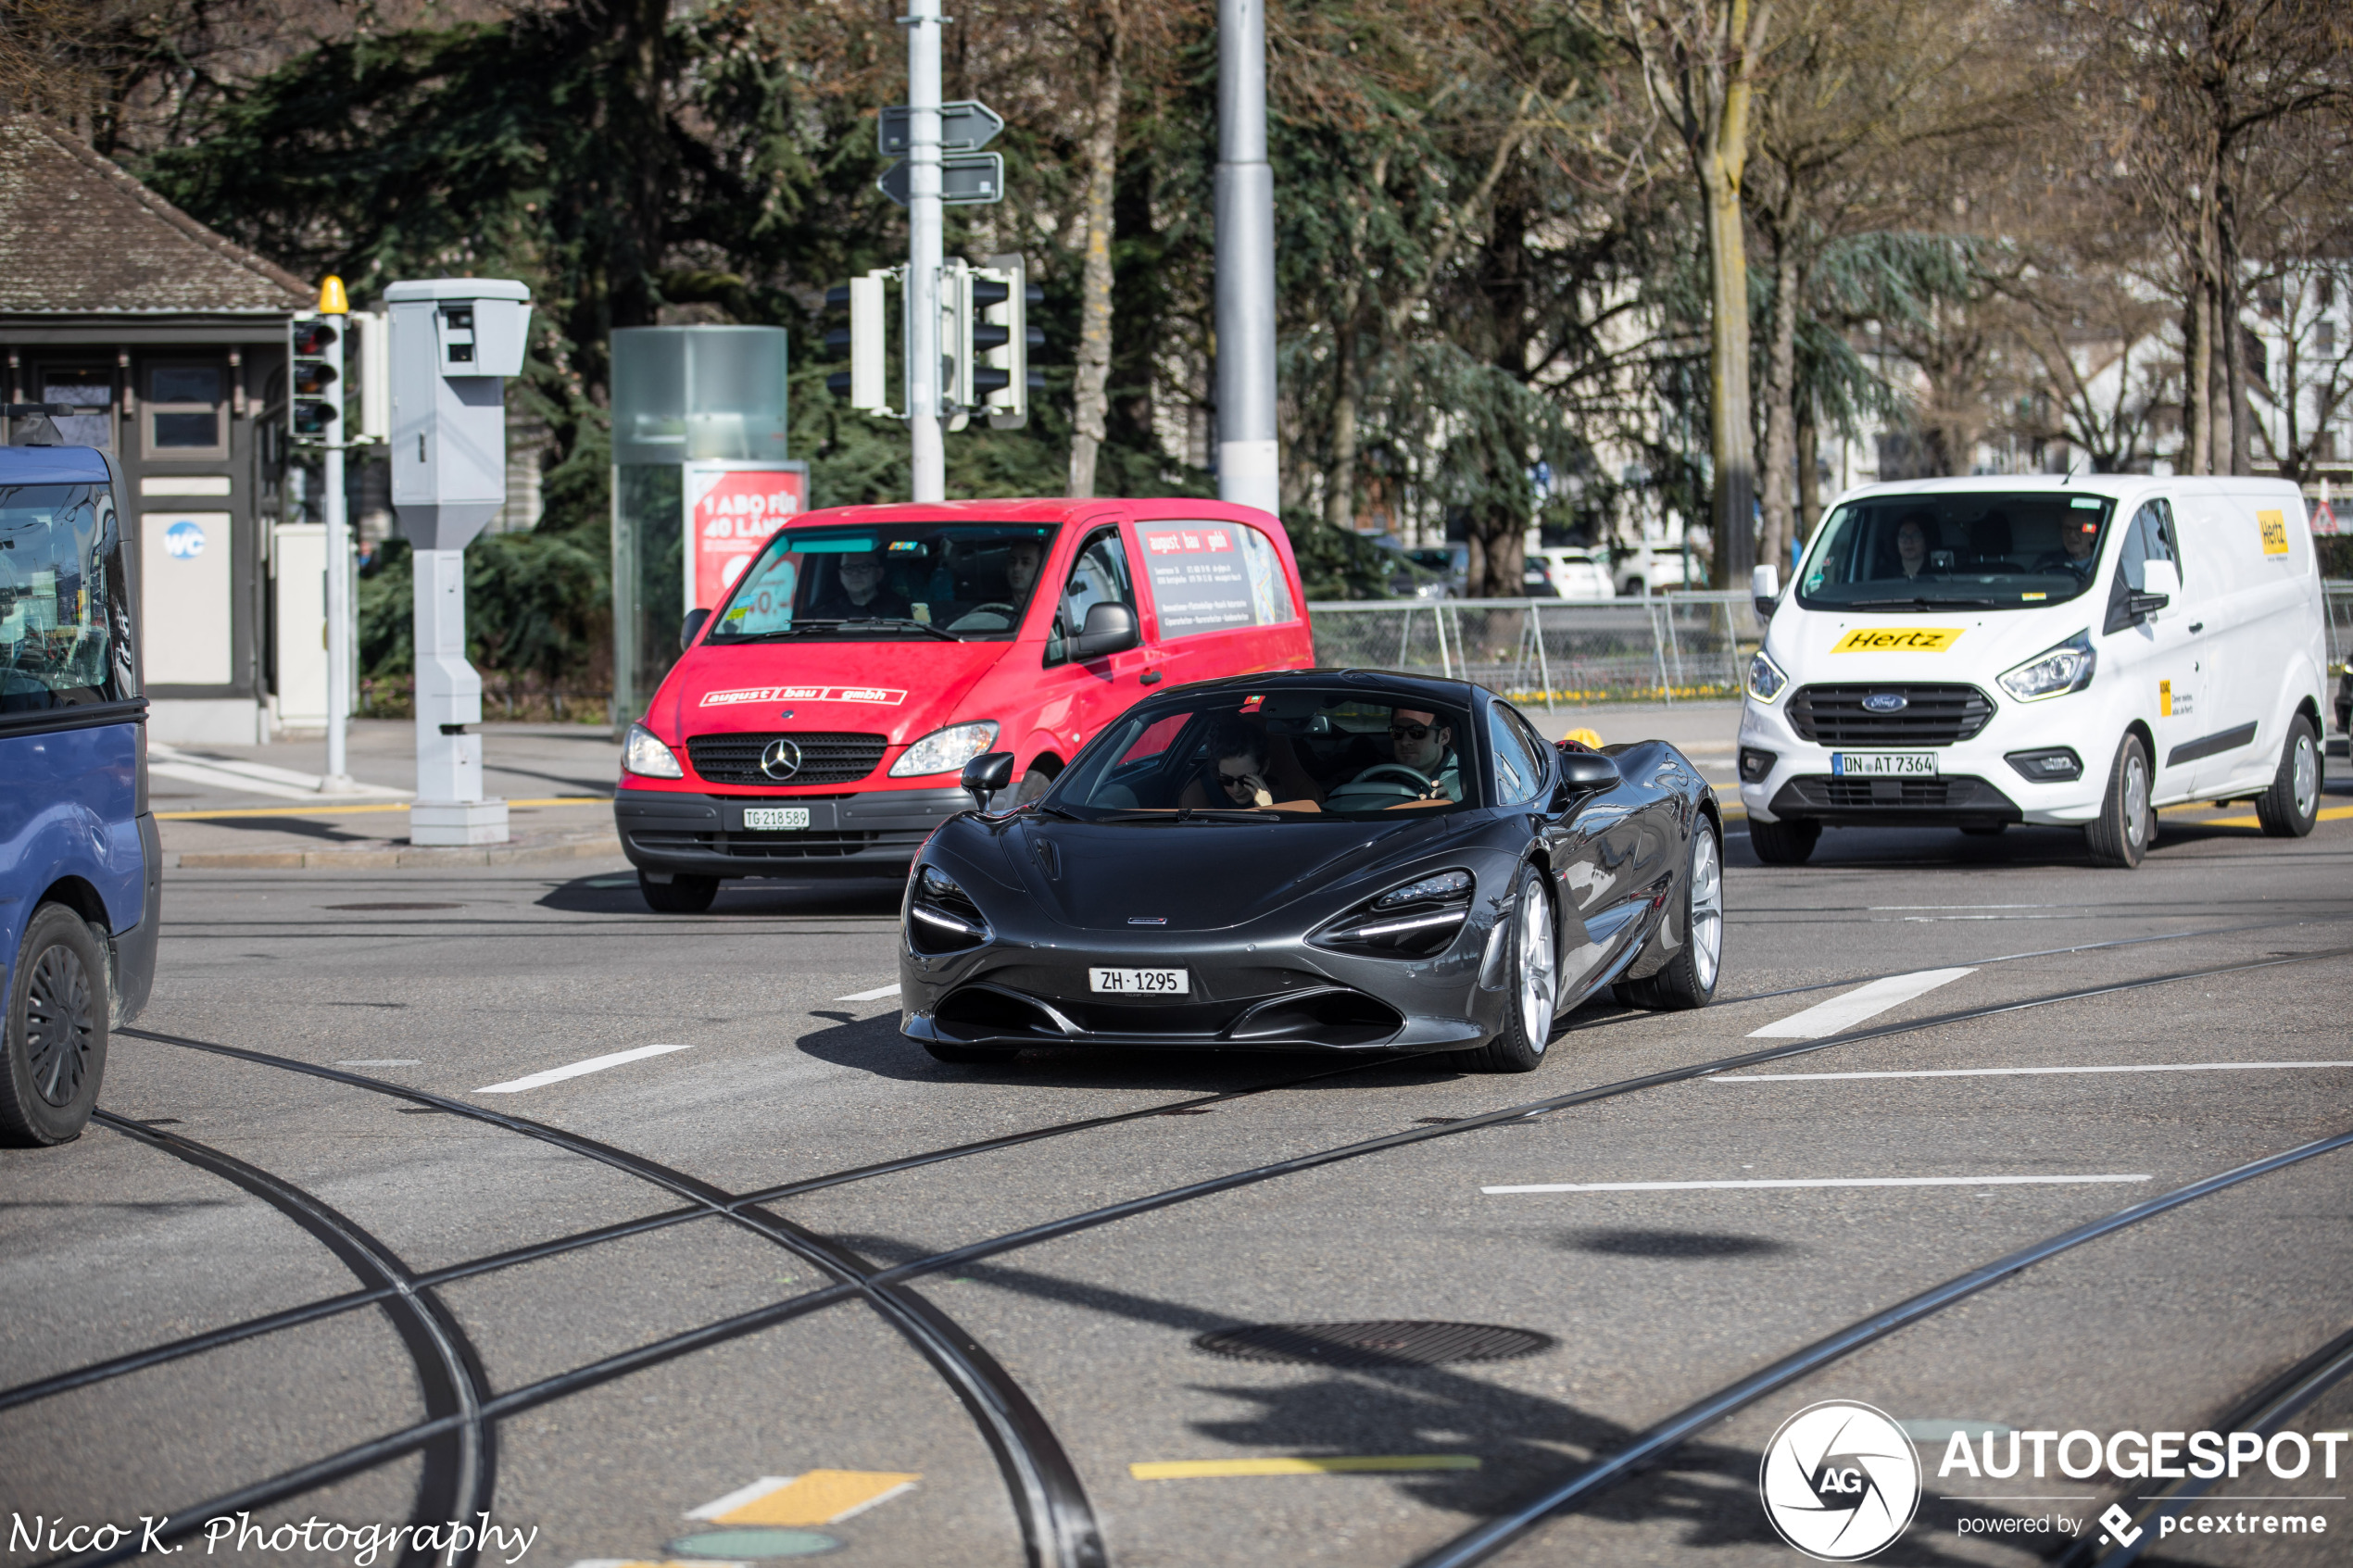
[(393, 859)]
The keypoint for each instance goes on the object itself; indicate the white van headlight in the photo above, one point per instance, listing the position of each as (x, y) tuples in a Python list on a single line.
[(1764, 678), (944, 751), (647, 757), (2067, 668)]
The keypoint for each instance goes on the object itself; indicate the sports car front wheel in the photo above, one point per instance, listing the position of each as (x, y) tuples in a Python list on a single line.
[(1535, 985)]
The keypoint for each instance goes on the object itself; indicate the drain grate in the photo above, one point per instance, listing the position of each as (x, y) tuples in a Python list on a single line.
[(1388, 1343), (376, 906)]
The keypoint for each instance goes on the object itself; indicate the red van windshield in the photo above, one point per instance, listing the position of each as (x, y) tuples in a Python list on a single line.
[(889, 582)]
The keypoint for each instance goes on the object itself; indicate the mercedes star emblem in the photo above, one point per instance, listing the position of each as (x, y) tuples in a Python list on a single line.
[(781, 759)]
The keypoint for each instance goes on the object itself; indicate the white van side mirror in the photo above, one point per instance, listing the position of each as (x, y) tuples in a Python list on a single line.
[(2160, 586), (1765, 586)]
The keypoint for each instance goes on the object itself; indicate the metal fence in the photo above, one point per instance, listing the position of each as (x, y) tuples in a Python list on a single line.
[(1676, 647)]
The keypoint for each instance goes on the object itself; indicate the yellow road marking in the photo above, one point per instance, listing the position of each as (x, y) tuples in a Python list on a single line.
[(818, 1498), (2328, 814), (296, 808), (1340, 1464)]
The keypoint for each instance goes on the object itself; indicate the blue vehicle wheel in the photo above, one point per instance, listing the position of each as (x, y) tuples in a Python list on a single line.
[(56, 1036)]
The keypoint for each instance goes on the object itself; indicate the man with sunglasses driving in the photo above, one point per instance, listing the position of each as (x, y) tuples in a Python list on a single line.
[(1423, 743)]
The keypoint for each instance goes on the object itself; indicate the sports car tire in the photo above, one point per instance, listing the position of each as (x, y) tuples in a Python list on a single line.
[(2290, 808), (682, 895), (2120, 835), (1783, 844), (1689, 978), (1532, 981), (53, 1038)]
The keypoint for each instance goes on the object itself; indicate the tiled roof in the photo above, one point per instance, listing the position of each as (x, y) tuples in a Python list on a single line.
[(78, 236)]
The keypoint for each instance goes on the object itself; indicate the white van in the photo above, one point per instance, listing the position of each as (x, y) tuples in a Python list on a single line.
[(1977, 652)]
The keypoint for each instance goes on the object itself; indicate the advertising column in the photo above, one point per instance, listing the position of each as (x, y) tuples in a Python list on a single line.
[(732, 507)]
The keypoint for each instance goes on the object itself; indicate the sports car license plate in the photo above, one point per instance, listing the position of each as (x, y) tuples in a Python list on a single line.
[(1883, 764), (1139, 982), (776, 816)]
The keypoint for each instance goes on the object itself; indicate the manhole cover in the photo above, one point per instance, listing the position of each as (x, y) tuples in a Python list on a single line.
[(1396, 1343), (741, 1544), (374, 906)]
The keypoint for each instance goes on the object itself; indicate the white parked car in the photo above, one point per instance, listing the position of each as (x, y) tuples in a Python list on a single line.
[(1977, 652), (1644, 569), (1568, 575)]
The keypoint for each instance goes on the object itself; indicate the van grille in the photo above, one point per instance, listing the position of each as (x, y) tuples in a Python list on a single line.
[(1931, 715), (826, 757)]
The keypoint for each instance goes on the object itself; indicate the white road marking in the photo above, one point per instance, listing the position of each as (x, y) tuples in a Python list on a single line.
[(1819, 1182), (594, 1064), (383, 1061), (251, 778), (2026, 1071), (1884, 908), (874, 996), (1845, 1010)]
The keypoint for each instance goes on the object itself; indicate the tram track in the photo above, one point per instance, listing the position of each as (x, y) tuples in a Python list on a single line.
[(1048, 1494)]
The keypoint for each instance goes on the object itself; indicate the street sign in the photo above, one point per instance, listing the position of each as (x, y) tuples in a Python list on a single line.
[(2324, 521), (965, 179), (964, 127)]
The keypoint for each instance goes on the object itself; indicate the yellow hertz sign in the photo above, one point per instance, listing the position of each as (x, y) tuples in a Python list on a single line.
[(2274, 528), (1899, 639)]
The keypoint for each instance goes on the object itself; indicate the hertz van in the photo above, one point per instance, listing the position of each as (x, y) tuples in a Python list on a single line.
[(822, 714), (1976, 652)]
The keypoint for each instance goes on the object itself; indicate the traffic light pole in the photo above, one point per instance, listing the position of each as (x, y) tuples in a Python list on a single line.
[(925, 250), (337, 778), (1246, 469)]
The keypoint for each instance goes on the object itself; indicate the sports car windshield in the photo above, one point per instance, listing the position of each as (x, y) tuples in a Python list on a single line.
[(1291, 755), (1968, 549), (897, 582)]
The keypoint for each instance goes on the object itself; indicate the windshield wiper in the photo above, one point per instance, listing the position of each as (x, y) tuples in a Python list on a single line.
[(1918, 601), (903, 622), (803, 628)]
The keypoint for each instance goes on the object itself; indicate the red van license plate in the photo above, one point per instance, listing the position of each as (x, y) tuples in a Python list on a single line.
[(776, 817)]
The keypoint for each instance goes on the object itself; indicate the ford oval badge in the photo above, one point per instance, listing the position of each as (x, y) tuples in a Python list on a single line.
[(1886, 702)]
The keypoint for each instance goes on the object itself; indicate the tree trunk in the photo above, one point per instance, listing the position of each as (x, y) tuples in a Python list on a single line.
[(1810, 471), (1093, 379), (2233, 336), (1781, 391), (1340, 485), (2198, 370), (1722, 158)]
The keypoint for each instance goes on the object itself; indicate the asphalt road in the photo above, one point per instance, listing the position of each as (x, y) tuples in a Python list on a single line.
[(773, 1060)]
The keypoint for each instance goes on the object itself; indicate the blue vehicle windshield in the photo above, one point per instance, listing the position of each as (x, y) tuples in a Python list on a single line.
[(65, 621)]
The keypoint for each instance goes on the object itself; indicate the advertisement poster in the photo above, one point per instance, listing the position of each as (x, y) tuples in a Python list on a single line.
[(731, 510), (1212, 577)]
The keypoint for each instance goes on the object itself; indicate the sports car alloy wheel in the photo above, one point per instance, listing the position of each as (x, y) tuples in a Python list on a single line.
[(1707, 907), (1538, 974)]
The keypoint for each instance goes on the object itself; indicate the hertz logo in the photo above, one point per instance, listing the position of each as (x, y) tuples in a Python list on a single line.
[(1899, 639)]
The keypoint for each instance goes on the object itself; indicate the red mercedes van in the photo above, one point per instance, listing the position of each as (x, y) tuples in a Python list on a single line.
[(821, 715)]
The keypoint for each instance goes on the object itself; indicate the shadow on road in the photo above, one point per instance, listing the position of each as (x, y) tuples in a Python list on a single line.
[(616, 893)]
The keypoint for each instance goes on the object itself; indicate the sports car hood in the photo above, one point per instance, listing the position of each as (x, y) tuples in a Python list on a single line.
[(1197, 875), (899, 688)]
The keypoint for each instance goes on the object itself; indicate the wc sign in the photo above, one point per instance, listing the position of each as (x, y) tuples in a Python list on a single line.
[(184, 540), (731, 510)]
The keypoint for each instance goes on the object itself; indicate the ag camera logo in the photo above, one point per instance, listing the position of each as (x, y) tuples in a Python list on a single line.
[(1840, 1481)]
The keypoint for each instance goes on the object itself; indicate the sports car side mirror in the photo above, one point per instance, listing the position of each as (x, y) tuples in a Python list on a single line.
[(986, 774), (1110, 628), (693, 623), (1587, 773)]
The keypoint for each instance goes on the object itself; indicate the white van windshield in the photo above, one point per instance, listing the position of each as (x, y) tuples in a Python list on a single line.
[(1983, 549)]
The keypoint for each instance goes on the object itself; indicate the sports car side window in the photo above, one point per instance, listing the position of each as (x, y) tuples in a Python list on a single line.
[(1099, 576), (1519, 778)]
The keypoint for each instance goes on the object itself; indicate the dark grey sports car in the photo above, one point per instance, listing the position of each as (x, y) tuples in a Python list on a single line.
[(1344, 859)]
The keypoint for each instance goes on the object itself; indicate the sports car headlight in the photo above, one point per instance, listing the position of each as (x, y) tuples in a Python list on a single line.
[(647, 757), (944, 751), (1416, 921), (2067, 668), (941, 918), (1764, 678)]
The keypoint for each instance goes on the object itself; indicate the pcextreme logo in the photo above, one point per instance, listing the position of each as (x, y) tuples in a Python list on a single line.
[(1899, 639), (1840, 1481)]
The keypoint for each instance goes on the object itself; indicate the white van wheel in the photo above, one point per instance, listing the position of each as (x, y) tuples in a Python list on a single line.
[(2292, 805), (2120, 835)]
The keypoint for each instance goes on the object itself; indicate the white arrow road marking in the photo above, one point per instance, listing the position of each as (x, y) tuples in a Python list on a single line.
[(1850, 1007), (577, 1069), (874, 996), (1819, 1182)]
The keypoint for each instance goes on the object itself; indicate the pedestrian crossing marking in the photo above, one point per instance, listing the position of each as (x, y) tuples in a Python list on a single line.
[(819, 1496)]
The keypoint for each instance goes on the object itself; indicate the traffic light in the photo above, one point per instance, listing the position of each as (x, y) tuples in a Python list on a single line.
[(1004, 295), (314, 401), (862, 342)]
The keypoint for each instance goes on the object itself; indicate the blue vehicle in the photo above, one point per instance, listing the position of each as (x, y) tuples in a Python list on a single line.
[(80, 862)]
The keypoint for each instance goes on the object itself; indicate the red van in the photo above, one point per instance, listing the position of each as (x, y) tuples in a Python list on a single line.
[(821, 715)]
